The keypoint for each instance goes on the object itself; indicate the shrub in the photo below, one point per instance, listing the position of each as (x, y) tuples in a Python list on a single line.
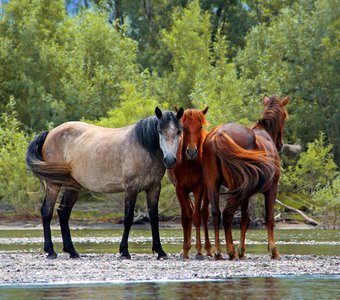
[(17, 187)]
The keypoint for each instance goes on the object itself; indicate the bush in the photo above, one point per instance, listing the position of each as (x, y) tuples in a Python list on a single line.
[(313, 170), (17, 187), (327, 202)]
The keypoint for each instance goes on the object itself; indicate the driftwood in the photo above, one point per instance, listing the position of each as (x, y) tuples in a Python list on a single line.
[(308, 220)]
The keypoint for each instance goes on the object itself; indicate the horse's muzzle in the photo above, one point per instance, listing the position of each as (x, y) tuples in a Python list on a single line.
[(169, 162), (191, 153)]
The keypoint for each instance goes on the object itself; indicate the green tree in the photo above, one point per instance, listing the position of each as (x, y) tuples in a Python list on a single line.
[(60, 67), (298, 54)]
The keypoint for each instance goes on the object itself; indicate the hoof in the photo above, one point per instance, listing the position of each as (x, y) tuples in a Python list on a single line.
[(125, 257), (276, 256), (233, 257), (75, 256), (218, 256), (52, 256), (162, 257), (184, 256), (199, 257)]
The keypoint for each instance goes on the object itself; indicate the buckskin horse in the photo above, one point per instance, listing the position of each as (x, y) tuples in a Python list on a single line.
[(247, 162), (187, 177), (109, 160)]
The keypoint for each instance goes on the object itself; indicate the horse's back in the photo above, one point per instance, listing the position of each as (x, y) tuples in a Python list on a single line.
[(240, 134), (101, 159)]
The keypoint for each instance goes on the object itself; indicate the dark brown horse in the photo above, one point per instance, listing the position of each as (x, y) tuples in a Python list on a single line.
[(109, 160), (247, 162), (187, 177)]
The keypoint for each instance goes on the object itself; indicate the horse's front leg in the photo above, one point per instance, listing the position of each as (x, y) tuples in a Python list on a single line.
[(205, 218), (130, 202), (46, 210), (197, 217), (70, 196), (152, 196), (244, 224), (186, 219), (270, 197)]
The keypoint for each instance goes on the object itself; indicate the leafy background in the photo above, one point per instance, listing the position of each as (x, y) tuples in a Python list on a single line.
[(111, 62)]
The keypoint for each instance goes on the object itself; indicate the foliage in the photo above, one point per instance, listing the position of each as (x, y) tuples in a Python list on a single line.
[(17, 187), (113, 62), (60, 67), (314, 169), (298, 54), (327, 202)]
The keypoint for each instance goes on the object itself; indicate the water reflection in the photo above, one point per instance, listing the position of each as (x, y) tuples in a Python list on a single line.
[(302, 287)]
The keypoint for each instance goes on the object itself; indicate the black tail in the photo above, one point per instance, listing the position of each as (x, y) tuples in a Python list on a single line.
[(34, 150), (55, 172)]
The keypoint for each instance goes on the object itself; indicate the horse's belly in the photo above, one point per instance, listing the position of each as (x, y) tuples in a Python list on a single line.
[(98, 184)]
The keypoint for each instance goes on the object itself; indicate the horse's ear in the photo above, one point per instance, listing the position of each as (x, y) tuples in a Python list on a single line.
[(285, 101), (180, 113), (158, 112), (204, 111), (175, 108), (265, 100)]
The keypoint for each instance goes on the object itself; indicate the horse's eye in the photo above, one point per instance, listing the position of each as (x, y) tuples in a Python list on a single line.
[(178, 132), (200, 127)]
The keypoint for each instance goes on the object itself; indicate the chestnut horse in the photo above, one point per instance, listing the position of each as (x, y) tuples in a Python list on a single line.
[(109, 160), (187, 177), (246, 161)]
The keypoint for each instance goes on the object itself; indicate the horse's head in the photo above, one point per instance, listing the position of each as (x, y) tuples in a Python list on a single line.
[(276, 114), (169, 130), (193, 132)]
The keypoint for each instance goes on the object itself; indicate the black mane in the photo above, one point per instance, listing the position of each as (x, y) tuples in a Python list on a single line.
[(146, 130)]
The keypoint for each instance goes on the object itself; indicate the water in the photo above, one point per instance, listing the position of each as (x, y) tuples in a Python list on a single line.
[(302, 287), (318, 242)]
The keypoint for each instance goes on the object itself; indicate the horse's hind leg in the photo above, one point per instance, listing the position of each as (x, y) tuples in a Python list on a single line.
[(152, 196), (245, 220), (130, 201), (228, 215), (213, 196), (270, 197), (46, 210), (68, 199)]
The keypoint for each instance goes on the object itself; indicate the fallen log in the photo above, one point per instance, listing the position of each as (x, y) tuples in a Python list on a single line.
[(308, 220)]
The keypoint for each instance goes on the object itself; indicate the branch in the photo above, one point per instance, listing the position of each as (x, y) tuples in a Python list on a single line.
[(307, 219)]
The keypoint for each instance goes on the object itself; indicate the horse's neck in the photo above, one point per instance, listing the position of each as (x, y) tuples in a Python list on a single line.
[(265, 129)]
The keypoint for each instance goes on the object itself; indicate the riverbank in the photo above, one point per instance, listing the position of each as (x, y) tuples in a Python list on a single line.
[(36, 269)]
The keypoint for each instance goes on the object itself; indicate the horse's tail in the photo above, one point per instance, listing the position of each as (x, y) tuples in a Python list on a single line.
[(59, 173), (250, 171)]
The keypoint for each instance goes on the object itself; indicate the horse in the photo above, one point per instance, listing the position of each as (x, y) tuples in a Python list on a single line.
[(187, 177), (245, 160), (130, 159)]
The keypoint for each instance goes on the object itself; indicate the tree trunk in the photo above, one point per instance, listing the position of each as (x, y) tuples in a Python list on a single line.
[(307, 219)]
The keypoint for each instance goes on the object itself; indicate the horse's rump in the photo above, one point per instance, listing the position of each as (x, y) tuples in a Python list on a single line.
[(55, 172), (251, 171)]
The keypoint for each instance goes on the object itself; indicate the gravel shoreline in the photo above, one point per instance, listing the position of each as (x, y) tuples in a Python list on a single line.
[(36, 269)]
